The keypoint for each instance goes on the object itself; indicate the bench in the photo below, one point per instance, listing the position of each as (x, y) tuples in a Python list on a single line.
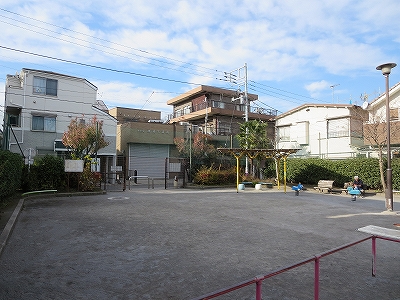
[(325, 185), (267, 184), (381, 232)]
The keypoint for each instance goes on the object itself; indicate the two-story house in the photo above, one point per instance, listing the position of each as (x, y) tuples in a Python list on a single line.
[(218, 112), (375, 127), (333, 131), (39, 106)]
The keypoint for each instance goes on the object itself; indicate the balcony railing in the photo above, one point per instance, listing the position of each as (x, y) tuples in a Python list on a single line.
[(222, 105)]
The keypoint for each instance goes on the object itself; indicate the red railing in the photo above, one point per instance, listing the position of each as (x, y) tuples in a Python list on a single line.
[(316, 259)]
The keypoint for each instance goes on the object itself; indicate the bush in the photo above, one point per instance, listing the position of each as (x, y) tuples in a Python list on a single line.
[(310, 171), (11, 165), (211, 176), (46, 173)]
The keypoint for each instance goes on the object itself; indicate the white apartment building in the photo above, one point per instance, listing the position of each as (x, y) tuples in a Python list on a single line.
[(39, 106), (332, 131)]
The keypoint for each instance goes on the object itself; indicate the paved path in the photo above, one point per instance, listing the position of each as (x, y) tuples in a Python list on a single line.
[(183, 243)]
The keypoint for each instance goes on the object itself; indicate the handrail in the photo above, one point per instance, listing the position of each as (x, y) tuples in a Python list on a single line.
[(316, 259)]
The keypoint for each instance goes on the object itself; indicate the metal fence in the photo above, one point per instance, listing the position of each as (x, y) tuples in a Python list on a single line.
[(258, 280)]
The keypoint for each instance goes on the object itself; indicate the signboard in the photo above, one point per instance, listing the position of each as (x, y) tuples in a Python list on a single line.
[(73, 165), (95, 165), (116, 168)]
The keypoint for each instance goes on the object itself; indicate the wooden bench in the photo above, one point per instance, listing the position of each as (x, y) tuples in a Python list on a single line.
[(325, 185)]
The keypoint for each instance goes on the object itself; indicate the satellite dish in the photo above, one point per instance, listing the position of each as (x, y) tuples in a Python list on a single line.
[(365, 105)]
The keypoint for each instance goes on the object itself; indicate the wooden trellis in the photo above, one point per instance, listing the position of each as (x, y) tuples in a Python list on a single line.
[(276, 154)]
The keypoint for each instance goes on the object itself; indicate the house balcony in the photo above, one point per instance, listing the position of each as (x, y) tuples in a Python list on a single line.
[(200, 111)]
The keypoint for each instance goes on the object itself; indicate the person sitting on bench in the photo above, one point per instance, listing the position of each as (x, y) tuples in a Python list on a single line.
[(358, 185)]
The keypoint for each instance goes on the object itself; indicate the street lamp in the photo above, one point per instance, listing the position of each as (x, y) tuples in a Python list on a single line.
[(386, 68)]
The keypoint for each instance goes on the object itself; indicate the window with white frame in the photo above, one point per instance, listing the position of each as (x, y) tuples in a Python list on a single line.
[(284, 133), (44, 86), (44, 123), (338, 128)]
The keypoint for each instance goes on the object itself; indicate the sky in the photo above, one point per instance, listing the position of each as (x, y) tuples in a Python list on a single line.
[(141, 53)]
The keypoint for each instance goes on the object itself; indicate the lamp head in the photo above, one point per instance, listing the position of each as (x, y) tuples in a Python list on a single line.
[(386, 68)]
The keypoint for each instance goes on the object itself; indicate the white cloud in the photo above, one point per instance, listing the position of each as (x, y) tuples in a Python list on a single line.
[(281, 41), (318, 86), (124, 94)]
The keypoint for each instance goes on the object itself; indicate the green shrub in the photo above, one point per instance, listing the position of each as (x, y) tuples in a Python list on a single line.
[(46, 173), (211, 176), (311, 170), (10, 173)]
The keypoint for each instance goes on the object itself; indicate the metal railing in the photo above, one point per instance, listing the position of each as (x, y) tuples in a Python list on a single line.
[(316, 259)]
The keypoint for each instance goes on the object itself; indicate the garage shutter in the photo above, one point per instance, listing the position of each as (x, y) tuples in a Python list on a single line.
[(148, 159)]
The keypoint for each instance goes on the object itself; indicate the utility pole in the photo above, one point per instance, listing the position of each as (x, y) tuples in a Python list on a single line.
[(239, 78), (206, 117)]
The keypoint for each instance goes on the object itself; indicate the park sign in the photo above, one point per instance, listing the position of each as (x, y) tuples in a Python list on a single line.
[(73, 165)]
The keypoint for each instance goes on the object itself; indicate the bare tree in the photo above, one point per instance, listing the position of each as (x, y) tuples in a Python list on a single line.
[(375, 134)]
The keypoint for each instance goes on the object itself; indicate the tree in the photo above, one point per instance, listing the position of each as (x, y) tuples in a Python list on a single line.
[(202, 151), (253, 135), (375, 134), (84, 140)]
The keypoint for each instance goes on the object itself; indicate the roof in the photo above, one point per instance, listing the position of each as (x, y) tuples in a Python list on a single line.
[(382, 97), (59, 74), (202, 89), (314, 105)]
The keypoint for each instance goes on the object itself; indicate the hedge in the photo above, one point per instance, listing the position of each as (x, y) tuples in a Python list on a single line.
[(310, 171), (11, 165)]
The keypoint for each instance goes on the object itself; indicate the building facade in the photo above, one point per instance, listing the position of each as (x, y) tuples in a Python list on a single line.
[(332, 131), (375, 127), (218, 112), (145, 141), (39, 106)]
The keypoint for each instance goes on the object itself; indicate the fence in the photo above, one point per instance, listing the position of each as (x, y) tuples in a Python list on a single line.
[(316, 259)]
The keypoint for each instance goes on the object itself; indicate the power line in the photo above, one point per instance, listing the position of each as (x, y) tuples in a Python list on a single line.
[(98, 67), (105, 40)]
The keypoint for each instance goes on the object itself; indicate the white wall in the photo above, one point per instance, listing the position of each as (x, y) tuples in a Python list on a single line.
[(308, 131)]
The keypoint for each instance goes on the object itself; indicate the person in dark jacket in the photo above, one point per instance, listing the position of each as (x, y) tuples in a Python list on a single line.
[(358, 185)]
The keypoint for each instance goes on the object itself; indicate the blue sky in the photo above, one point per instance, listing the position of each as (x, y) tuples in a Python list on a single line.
[(296, 52)]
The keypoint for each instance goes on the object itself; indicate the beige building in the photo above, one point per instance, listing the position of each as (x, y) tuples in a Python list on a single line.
[(145, 141)]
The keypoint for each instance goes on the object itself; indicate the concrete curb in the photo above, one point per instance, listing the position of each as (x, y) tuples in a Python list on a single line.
[(10, 225)]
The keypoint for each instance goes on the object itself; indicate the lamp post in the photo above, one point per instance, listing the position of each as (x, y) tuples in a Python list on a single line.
[(386, 68)]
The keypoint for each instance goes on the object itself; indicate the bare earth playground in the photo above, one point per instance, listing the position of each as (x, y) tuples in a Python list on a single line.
[(184, 243)]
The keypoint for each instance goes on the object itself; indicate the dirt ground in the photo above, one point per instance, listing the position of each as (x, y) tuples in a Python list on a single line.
[(183, 243)]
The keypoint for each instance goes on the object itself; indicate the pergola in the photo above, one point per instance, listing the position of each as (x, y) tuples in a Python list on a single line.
[(277, 154)]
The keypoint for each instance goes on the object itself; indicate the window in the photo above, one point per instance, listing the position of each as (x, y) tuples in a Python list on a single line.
[(44, 86), (338, 128), (218, 104), (13, 120), (284, 133), (13, 116), (394, 114), (43, 123)]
